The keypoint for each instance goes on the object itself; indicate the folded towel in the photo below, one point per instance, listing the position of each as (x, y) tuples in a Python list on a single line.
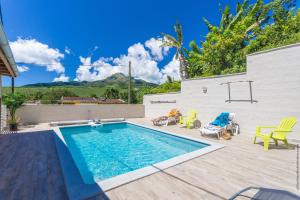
[(222, 120)]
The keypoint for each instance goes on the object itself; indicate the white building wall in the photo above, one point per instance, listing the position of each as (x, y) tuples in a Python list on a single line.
[(276, 87)]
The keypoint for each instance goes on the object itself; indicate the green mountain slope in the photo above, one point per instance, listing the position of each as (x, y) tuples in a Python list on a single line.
[(117, 80), (84, 88)]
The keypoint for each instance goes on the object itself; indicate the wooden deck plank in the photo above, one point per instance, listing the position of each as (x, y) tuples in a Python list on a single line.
[(240, 164), (25, 167), (30, 169)]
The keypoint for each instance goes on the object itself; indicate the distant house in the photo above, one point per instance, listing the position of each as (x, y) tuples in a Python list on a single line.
[(90, 100)]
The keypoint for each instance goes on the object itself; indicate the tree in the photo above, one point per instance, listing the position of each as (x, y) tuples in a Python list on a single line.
[(37, 95), (112, 93), (177, 43), (250, 28), (195, 61), (166, 87), (285, 30), (223, 50), (134, 96)]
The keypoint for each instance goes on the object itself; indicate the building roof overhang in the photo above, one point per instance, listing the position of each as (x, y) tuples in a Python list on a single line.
[(8, 65)]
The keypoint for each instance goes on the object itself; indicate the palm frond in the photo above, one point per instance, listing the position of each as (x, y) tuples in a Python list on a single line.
[(257, 24), (186, 51), (178, 30), (264, 11), (220, 8), (238, 7), (225, 18), (169, 40), (236, 19), (245, 4), (194, 47), (256, 8), (208, 24)]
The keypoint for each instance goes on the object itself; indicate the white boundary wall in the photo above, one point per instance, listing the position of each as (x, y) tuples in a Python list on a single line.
[(276, 87), (50, 113), (3, 117)]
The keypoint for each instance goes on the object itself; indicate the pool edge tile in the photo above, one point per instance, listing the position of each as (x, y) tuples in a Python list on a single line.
[(128, 177), (76, 188)]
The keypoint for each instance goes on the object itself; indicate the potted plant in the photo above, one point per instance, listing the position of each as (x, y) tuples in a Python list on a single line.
[(13, 102)]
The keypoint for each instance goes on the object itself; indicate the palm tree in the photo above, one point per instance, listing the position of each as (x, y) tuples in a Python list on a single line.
[(177, 43)]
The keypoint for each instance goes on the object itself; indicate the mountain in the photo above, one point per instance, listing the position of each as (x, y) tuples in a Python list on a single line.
[(116, 80)]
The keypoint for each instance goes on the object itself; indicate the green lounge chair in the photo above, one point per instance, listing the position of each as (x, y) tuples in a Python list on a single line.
[(277, 132)]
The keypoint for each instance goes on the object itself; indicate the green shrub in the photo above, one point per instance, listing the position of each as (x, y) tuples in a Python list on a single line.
[(13, 102)]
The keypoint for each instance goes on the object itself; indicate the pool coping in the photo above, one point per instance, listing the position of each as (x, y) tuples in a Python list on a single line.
[(116, 181)]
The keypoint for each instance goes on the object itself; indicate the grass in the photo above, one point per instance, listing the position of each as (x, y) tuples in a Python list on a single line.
[(82, 91)]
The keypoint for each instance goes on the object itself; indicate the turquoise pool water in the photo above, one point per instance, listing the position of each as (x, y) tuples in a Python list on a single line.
[(109, 150)]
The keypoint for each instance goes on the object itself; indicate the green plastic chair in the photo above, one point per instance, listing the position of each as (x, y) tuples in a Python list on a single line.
[(277, 132), (190, 119)]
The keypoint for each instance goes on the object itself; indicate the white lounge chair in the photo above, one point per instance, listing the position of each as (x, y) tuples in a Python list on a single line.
[(218, 130)]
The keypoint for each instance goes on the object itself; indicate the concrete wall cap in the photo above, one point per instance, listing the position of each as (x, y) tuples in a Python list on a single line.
[(275, 49)]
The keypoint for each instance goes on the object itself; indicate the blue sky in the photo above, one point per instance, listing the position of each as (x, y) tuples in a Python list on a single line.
[(88, 40)]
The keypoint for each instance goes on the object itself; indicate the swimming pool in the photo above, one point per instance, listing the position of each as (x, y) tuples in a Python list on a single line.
[(115, 153)]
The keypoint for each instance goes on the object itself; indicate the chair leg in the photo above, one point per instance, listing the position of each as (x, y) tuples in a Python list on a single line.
[(276, 142), (188, 125), (254, 141), (286, 143), (266, 144), (167, 123), (180, 120)]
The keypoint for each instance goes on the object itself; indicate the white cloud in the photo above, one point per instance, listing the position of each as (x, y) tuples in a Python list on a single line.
[(22, 68), (156, 49), (67, 50), (95, 48), (144, 64), (62, 78), (171, 69), (31, 51), (98, 70), (83, 72)]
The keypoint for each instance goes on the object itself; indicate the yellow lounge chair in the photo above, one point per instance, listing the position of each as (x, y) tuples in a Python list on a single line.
[(190, 119), (277, 132)]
